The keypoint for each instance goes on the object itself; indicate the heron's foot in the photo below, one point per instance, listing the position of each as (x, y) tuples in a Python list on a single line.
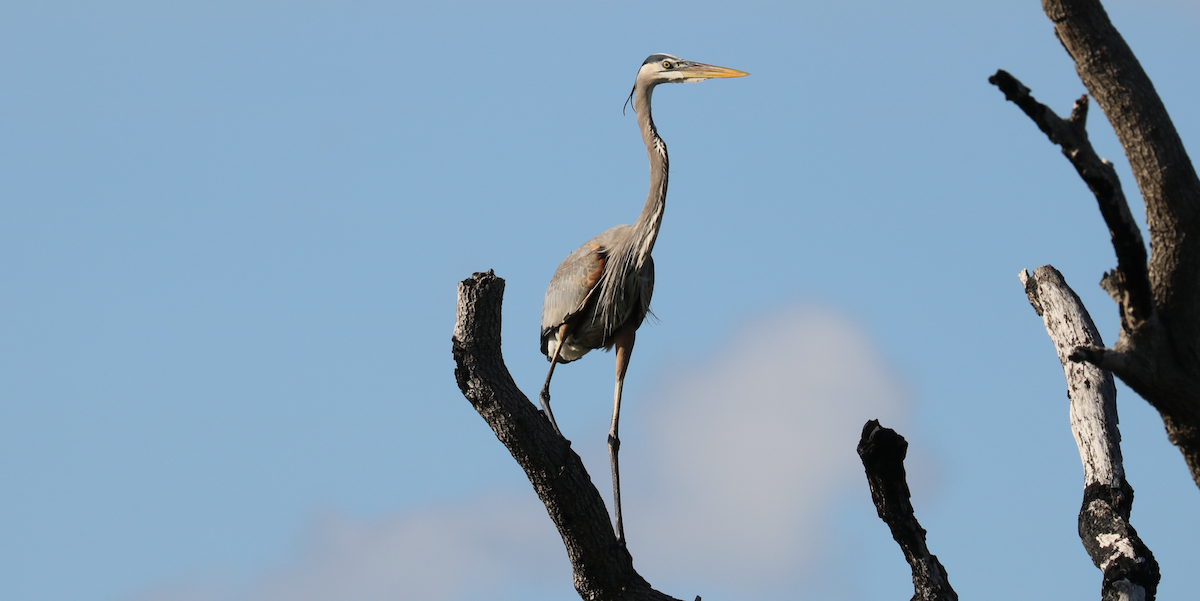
[(544, 397), (550, 418)]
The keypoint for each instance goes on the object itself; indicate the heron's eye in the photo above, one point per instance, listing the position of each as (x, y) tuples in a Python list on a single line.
[(667, 64)]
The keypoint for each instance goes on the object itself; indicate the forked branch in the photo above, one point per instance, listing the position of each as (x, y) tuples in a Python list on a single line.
[(1115, 78), (1157, 352), (1129, 283)]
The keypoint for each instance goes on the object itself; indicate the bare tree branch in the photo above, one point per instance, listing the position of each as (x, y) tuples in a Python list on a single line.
[(1130, 571), (1130, 283), (1164, 352), (882, 451), (603, 569), (1114, 77), (1157, 352)]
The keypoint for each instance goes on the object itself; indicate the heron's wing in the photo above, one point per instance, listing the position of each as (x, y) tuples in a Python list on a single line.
[(571, 286), (575, 282)]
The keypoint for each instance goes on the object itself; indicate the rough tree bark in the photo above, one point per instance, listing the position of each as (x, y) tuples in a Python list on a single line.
[(1158, 348), (1129, 568), (882, 451), (603, 569)]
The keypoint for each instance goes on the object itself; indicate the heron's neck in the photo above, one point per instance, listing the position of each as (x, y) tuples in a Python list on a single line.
[(647, 224)]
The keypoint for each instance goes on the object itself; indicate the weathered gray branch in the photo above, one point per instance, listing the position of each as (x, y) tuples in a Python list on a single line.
[(1129, 568), (1157, 352), (603, 569), (882, 451)]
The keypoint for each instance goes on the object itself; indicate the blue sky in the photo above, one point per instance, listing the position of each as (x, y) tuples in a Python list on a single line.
[(230, 237)]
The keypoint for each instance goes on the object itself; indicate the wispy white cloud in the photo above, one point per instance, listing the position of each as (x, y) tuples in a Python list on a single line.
[(457, 551), (751, 448), (755, 444), (489, 545)]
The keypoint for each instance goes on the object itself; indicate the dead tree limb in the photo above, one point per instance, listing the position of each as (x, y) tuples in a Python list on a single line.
[(603, 569), (1133, 292), (1129, 568), (882, 451), (1157, 352)]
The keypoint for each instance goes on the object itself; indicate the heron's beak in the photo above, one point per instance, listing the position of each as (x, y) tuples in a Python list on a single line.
[(701, 71)]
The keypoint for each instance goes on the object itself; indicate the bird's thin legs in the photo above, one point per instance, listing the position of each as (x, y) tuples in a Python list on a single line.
[(545, 396), (624, 347)]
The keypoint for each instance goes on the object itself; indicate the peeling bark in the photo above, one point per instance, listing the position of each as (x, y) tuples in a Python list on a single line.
[(1129, 568)]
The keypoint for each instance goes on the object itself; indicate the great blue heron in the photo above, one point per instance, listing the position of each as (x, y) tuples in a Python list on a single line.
[(600, 293)]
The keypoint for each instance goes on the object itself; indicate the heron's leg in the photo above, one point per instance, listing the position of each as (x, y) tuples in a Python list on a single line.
[(624, 347), (545, 396)]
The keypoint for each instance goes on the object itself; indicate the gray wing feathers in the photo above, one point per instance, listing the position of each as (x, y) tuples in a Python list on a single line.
[(601, 280), (573, 281)]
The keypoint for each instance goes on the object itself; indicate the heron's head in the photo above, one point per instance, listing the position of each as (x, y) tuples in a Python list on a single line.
[(664, 68)]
